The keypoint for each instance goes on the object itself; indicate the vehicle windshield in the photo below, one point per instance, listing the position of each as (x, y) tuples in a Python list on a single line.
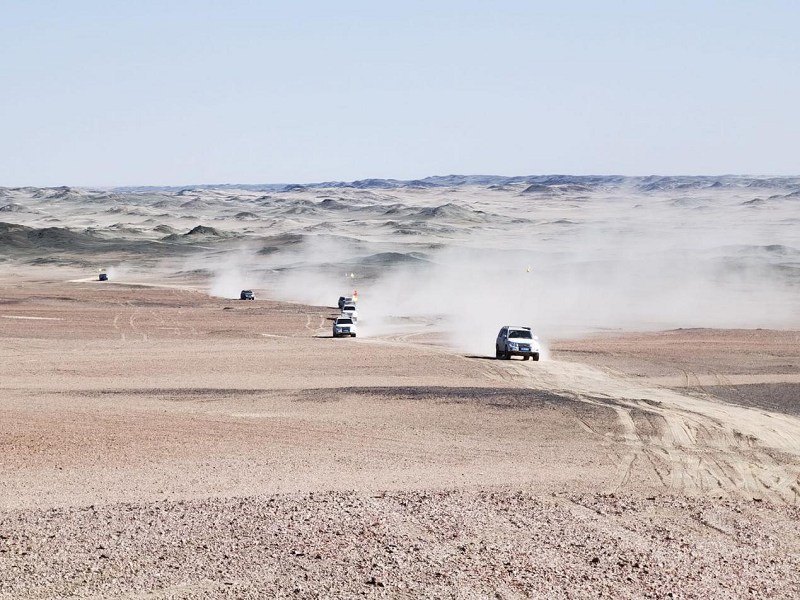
[(520, 333), (349, 308), (344, 322)]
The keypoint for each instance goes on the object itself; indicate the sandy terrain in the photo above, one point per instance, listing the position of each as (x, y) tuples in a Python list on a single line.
[(752, 367), (159, 439)]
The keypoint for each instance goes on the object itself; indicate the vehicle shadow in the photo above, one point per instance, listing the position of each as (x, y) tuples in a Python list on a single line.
[(330, 337), (477, 357)]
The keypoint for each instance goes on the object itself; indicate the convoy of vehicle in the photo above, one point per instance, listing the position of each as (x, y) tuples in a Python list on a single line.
[(511, 340)]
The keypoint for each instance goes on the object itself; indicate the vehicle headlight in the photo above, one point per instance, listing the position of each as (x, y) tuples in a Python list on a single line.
[(513, 345)]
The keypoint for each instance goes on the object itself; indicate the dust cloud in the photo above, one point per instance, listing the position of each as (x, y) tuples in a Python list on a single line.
[(647, 275)]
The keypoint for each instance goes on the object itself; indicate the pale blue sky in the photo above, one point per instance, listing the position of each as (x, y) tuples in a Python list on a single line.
[(127, 93)]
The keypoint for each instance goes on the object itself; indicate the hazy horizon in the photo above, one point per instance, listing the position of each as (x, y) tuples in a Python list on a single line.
[(209, 184)]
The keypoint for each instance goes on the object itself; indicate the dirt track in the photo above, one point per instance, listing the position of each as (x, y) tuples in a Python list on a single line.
[(117, 394)]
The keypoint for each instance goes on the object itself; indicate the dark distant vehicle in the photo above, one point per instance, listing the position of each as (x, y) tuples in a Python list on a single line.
[(516, 341), (103, 277), (247, 295), (344, 300)]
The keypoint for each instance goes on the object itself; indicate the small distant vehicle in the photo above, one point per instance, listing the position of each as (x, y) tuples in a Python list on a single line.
[(345, 300), (247, 295), (349, 310), (516, 341), (103, 277), (344, 326)]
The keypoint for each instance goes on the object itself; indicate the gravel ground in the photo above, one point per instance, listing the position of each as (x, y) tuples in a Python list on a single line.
[(776, 397), (446, 544), (158, 443)]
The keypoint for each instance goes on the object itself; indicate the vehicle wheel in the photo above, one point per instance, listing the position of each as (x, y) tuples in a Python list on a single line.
[(497, 354), (536, 356), (352, 335)]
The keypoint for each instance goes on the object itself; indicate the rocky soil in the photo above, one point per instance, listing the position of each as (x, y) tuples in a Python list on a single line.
[(446, 544)]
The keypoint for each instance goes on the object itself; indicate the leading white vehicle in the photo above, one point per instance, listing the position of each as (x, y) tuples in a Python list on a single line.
[(344, 326), (516, 341), (349, 310)]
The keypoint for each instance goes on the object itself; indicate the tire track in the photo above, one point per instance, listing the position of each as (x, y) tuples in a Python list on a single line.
[(692, 444)]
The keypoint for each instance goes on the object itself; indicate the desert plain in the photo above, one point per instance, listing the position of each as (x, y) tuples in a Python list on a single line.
[(160, 438)]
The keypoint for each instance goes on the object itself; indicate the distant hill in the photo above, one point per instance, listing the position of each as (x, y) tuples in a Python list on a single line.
[(18, 208), (650, 183)]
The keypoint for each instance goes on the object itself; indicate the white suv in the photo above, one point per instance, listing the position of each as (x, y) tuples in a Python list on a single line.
[(344, 326), (516, 341), (349, 311)]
